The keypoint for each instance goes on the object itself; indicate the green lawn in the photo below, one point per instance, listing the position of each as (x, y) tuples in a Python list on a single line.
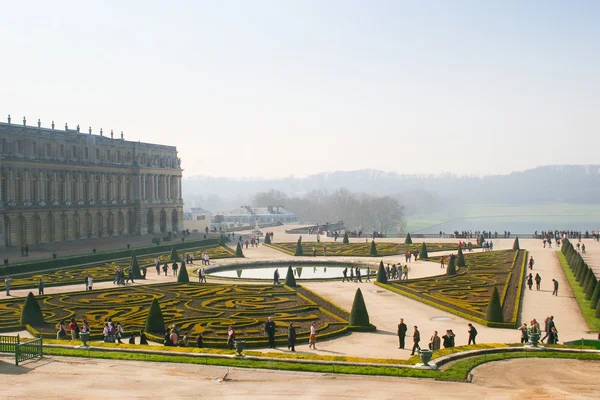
[(584, 305)]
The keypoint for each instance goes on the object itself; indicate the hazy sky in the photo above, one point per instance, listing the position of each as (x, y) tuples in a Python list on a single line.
[(277, 88)]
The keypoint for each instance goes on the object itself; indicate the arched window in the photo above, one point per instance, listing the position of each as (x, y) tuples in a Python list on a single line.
[(18, 187), (61, 188), (74, 189), (127, 189), (119, 190), (97, 188), (3, 185), (108, 188), (86, 188), (49, 183)]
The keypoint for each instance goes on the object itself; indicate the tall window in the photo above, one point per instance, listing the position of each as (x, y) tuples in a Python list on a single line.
[(119, 191), (48, 150), (34, 188), (4, 188), (34, 148), (87, 153), (127, 189), (86, 188), (97, 188), (108, 188), (61, 188), (49, 184), (74, 189), (18, 187), (74, 152)]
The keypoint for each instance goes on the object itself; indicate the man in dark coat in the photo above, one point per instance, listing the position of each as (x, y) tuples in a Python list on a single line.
[(292, 337), (270, 331), (416, 340), (401, 333), (472, 334)]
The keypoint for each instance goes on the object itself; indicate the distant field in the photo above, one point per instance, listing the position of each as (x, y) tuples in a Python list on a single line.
[(516, 218)]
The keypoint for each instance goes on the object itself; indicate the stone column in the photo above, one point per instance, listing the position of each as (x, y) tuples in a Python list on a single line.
[(54, 194), (80, 197), (68, 186), (10, 196), (26, 186)]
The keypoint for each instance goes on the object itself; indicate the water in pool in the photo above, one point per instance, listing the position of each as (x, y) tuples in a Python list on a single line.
[(305, 272)]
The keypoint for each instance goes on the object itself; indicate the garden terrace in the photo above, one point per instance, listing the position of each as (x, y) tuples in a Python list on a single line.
[(105, 271), (207, 308), (467, 293), (360, 249)]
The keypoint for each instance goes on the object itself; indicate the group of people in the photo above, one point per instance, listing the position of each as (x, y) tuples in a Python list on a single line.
[(538, 279), (534, 328), (270, 330), (435, 341), (356, 275), (408, 255), (119, 277), (165, 267), (25, 251)]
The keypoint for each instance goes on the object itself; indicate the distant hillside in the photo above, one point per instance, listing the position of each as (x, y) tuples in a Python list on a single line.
[(556, 183)]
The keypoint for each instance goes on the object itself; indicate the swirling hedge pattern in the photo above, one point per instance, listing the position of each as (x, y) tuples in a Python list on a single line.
[(360, 249), (468, 292), (105, 271), (207, 308)]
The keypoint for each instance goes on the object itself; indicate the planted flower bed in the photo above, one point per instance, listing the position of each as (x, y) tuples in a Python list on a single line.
[(194, 308), (359, 249), (105, 271), (468, 293)]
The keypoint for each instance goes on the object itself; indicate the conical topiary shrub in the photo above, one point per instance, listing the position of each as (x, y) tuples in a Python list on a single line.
[(174, 255), (581, 273), (290, 280), (451, 269), (597, 313), (222, 240), (31, 314), (155, 322), (595, 296), (238, 250), (299, 272), (346, 240), (135, 267), (460, 259), (359, 316), (590, 287), (423, 253), (373, 251), (516, 244), (381, 274), (239, 273), (299, 251), (182, 275), (494, 308), (586, 279), (408, 239), (267, 239)]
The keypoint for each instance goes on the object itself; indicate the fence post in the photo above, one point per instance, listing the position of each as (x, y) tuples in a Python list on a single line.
[(17, 349)]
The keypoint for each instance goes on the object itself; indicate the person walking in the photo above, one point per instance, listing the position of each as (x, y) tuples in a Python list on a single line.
[(230, 338), (345, 272), (129, 275), (531, 262), (555, 291), (402, 328), (312, 341), (524, 333), (292, 337), (472, 334), (119, 332), (7, 283), (165, 268), (276, 277), (358, 277), (157, 265), (41, 287), (416, 340), (90, 282), (175, 267), (538, 281), (442, 262), (270, 328), (530, 280), (314, 251), (368, 279)]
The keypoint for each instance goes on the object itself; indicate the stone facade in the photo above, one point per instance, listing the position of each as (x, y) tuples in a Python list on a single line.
[(65, 185)]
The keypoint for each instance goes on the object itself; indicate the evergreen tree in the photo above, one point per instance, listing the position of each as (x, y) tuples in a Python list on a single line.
[(460, 259), (135, 266), (586, 279), (31, 314), (597, 313), (423, 253), (346, 240), (182, 275), (581, 273), (373, 250), (299, 250), (238, 250), (267, 239), (408, 239), (451, 269), (381, 274), (174, 255), (516, 244), (589, 292), (494, 308), (155, 322), (359, 316), (595, 296), (290, 280)]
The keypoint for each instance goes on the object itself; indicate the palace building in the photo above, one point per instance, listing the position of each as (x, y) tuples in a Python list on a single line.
[(61, 185)]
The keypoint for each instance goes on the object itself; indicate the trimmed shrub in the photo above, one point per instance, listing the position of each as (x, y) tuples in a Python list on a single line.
[(174, 255), (494, 308), (373, 251), (423, 253), (222, 240), (31, 314), (238, 250), (597, 313), (182, 275), (590, 287), (299, 272), (586, 279), (135, 267), (595, 296), (290, 280), (408, 239), (451, 269), (359, 316), (460, 259), (581, 274), (381, 274), (299, 251), (346, 240), (516, 244), (267, 239), (155, 322)]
